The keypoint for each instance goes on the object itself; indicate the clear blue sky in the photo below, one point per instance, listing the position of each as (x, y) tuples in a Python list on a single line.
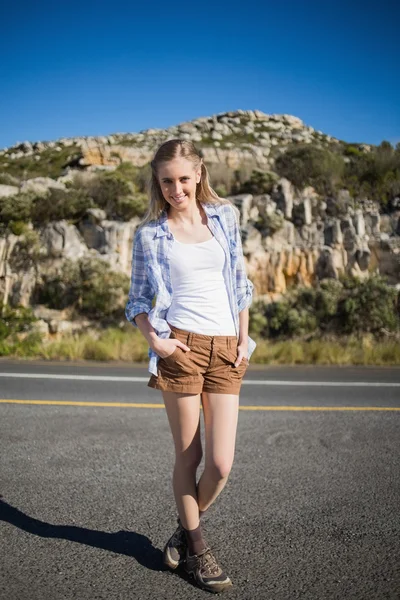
[(94, 68)]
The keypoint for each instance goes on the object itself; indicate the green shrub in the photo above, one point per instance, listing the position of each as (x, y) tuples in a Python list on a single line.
[(117, 194), (375, 175), (368, 306), (260, 182), (258, 322), (139, 176), (27, 251), (131, 206), (309, 165), (28, 347), (350, 150), (62, 288), (60, 204), (17, 227), (327, 297), (7, 179), (88, 285), (110, 191), (269, 224), (15, 320), (342, 307), (277, 317), (50, 163), (103, 291), (16, 208), (55, 205)]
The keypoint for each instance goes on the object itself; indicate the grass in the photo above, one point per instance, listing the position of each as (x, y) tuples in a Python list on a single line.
[(129, 345), (350, 351), (111, 345), (51, 163)]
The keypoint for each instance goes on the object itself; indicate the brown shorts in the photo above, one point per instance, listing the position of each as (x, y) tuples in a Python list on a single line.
[(208, 366)]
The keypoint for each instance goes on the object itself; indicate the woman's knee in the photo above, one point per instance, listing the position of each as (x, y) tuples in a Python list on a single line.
[(189, 459), (219, 469)]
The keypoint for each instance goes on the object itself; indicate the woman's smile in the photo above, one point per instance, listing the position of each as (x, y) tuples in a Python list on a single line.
[(179, 198)]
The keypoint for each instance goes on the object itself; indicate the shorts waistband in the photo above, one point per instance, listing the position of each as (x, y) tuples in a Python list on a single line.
[(189, 337)]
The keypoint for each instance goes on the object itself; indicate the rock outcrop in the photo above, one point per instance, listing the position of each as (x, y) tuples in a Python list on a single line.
[(230, 138), (289, 237), (324, 247), (277, 260)]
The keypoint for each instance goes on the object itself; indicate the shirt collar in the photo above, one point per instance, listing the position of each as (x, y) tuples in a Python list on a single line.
[(162, 228)]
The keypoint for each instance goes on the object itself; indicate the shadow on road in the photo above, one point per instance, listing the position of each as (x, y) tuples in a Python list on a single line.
[(128, 543)]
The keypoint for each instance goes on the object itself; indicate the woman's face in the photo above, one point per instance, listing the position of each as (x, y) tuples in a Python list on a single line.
[(178, 180)]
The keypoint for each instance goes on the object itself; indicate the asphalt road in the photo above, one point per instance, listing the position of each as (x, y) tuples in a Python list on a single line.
[(310, 510)]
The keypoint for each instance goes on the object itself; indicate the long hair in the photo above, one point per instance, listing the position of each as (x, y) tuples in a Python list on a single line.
[(169, 150)]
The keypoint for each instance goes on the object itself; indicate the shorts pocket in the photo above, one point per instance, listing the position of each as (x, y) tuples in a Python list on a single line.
[(172, 356), (236, 373), (176, 364), (244, 363), (227, 356)]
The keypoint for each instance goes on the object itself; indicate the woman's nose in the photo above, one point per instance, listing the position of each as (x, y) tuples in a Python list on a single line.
[(177, 189)]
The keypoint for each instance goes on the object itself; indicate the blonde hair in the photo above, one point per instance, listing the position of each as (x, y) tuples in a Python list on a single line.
[(169, 150)]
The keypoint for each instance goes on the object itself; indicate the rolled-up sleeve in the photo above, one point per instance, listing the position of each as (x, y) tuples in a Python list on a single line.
[(244, 287), (140, 295)]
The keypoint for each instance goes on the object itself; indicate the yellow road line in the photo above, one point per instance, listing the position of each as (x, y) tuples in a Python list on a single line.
[(148, 405)]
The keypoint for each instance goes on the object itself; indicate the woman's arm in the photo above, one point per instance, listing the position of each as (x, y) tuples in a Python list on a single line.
[(244, 287), (143, 323), (244, 327), (140, 296)]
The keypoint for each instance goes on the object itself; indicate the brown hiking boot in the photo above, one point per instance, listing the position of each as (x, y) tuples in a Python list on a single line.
[(175, 549), (206, 572)]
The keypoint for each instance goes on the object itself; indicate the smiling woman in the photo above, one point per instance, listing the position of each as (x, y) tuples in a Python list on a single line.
[(176, 188), (198, 336)]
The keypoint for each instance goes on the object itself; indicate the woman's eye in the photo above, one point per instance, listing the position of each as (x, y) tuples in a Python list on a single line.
[(183, 179)]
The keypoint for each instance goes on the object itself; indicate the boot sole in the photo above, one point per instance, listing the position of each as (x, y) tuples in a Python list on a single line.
[(169, 561), (215, 588)]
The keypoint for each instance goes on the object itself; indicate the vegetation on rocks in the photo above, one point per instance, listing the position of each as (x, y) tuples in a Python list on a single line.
[(310, 165), (259, 182), (16, 337), (375, 175), (115, 192), (339, 321), (123, 344), (89, 286), (345, 307), (51, 162), (270, 223)]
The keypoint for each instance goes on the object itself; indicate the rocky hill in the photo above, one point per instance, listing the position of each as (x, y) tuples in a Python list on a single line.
[(228, 138), (294, 233)]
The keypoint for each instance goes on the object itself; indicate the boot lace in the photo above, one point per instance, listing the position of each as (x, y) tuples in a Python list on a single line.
[(209, 563)]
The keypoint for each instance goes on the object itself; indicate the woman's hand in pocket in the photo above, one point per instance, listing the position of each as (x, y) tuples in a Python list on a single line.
[(242, 351), (165, 348)]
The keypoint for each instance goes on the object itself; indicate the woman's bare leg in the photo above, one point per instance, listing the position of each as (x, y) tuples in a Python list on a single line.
[(220, 423), (183, 411)]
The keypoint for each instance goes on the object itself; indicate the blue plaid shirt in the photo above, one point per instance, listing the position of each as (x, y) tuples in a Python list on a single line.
[(151, 273)]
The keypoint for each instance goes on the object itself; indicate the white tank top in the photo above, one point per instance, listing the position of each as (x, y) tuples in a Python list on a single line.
[(200, 301)]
